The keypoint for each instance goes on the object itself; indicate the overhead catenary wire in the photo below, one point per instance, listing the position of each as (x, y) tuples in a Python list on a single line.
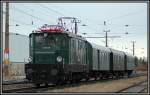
[(32, 15), (118, 17), (51, 9), (114, 18), (21, 11), (63, 14), (59, 12), (86, 19), (91, 29), (125, 15), (20, 22), (45, 13)]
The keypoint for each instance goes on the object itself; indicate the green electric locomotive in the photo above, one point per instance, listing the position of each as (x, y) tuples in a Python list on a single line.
[(57, 57)]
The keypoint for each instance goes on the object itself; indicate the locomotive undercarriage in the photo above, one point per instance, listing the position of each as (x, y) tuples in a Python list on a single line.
[(59, 74), (54, 73), (106, 74)]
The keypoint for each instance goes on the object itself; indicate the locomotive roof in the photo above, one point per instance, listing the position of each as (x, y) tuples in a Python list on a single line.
[(70, 34), (100, 47)]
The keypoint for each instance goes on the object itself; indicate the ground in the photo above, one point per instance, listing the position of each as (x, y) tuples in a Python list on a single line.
[(106, 86)]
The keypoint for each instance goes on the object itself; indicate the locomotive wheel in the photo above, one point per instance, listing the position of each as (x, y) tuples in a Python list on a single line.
[(126, 75), (77, 80), (87, 78), (116, 76), (95, 78), (46, 84), (37, 85), (60, 81), (129, 73)]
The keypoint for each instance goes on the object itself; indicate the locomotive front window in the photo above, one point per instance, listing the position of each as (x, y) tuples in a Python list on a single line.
[(49, 41), (39, 39)]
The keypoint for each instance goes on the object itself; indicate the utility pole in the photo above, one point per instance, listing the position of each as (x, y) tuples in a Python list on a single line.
[(106, 34), (133, 44), (7, 28), (6, 51)]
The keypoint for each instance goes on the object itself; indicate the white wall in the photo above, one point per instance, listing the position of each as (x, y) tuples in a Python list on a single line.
[(19, 47)]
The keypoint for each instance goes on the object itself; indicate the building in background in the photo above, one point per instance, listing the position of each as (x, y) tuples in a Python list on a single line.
[(18, 47), (18, 54)]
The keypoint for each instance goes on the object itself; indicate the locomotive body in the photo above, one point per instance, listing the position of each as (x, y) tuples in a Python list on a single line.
[(56, 57)]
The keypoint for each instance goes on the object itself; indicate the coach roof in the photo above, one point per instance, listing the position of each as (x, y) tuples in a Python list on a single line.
[(117, 51), (100, 47)]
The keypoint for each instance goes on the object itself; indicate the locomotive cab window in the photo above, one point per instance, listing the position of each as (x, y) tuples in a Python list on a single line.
[(51, 40)]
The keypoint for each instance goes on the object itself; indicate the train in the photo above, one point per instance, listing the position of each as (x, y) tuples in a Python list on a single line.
[(59, 56)]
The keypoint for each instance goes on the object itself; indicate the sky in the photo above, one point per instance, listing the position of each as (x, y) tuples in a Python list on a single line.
[(93, 15)]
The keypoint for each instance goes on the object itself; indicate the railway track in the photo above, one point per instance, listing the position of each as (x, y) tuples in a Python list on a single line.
[(33, 89), (136, 88), (23, 81), (30, 88)]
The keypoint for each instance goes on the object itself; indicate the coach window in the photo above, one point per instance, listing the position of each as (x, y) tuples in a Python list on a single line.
[(73, 43), (120, 59), (115, 59), (100, 56), (104, 56), (79, 45)]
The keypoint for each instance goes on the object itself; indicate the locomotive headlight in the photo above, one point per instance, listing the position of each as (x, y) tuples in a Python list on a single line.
[(30, 59), (59, 59)]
